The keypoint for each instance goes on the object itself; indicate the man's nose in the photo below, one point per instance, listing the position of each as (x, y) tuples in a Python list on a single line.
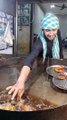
[(51, 32)]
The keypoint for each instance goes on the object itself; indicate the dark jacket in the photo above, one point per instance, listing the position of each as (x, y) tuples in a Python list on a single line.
[(37, 50)]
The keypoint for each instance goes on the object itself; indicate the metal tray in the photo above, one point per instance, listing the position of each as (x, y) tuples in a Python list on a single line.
[(51, 70), (62, 84)]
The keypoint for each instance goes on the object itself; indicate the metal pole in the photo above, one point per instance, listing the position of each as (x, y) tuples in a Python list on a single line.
[(16, 41)]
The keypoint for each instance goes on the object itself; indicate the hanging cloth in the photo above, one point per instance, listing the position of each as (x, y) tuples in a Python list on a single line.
[(8, 36)]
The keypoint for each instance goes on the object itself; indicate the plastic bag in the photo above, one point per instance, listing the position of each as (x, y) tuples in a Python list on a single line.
[(8, 36)]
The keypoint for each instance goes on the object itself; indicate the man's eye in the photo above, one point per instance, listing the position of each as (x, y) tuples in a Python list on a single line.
[(54, 29), (47, 30)]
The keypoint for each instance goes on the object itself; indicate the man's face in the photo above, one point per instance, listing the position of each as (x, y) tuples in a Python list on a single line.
[(50, 34)]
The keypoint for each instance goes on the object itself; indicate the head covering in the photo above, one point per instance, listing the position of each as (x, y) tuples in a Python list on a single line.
[(50, 21)]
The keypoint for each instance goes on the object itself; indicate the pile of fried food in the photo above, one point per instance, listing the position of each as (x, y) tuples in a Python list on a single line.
[(59, 69), (62, 73), (27, 103)]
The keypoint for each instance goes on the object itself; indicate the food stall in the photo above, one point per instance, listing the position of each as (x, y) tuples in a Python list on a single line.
[(50, 100)]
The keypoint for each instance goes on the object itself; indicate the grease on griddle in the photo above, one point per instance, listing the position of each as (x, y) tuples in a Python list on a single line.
[(27, 103)]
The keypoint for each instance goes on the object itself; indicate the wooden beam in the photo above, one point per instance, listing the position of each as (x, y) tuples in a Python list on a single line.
[(42, 1)]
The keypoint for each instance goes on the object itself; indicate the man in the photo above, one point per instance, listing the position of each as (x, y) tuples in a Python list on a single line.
[(48, 43)]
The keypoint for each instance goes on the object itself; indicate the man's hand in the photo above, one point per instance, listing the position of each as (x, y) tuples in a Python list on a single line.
[(16, 90), (19, 87)]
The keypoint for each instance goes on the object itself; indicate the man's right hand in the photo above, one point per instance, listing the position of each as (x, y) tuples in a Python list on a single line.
[(16, 90)]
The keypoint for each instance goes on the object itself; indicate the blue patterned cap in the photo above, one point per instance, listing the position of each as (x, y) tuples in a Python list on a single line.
[(50, 21)]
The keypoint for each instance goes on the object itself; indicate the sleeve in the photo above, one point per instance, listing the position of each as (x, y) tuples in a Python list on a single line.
[(61, 51), (60, 44), (37, 48)]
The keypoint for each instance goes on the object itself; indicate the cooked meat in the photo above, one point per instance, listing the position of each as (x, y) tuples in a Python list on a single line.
[(62, 76), (7, 106), (59, 69), (28, 103)]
